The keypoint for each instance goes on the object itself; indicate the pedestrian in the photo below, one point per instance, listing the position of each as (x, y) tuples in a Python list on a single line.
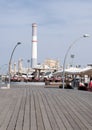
[(90, 85)]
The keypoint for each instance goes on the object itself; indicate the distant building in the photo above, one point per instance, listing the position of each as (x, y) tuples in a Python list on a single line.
[(46, 65), (54, 64)]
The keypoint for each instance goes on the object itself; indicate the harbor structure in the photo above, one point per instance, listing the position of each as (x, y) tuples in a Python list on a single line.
[(34, 46), (20, 66)]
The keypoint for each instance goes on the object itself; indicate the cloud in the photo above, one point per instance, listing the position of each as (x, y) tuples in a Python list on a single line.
[(23, 11), (59, 23)]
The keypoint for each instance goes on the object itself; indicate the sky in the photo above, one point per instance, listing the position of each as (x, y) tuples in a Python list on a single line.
[(60, 23)]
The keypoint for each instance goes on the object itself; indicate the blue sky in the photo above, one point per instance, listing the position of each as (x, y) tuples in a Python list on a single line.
[(60, 22)]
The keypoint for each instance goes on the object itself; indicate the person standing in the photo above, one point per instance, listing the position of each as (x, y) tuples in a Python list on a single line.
[(90, 85)]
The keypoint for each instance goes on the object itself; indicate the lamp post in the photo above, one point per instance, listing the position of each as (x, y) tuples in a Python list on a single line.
[(64, 63), (10, 62)]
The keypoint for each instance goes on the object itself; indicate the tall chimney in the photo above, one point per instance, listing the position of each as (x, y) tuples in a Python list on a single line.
[(34, 46)]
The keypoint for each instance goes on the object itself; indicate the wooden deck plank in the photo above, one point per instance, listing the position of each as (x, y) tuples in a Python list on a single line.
[(77, 124), (9, 109), (26, 116), (55, 120), (62, 120), (28, 107), (8, 116), (4, 112), (46, 121), (13, 120), (82, 122), (33, 125), (85, 107), (21, 113), (40, 124), (49, 113), (81, 113)]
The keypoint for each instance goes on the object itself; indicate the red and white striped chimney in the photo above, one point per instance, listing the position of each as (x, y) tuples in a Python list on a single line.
[(34, 46)]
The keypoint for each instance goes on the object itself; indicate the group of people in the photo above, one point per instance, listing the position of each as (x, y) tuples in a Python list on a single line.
[(86, 86), (81, 85)]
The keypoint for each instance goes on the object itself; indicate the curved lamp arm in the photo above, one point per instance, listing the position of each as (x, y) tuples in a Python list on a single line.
[(84, 36), (11, 60), (13, 51)]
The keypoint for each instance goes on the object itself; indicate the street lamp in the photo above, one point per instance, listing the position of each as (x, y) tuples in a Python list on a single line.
[(10, 62), (64, 63)]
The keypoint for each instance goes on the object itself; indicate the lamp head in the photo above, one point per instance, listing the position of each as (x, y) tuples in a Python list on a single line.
[(86, 35), (18, 43)]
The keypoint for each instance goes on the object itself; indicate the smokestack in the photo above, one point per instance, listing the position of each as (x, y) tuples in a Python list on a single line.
[(34, 46)]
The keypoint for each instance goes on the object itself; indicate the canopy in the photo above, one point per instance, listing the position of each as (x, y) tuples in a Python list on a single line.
[(74, 70)]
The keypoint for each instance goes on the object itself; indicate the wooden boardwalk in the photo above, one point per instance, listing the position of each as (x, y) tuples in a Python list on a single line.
[(45, 108)]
